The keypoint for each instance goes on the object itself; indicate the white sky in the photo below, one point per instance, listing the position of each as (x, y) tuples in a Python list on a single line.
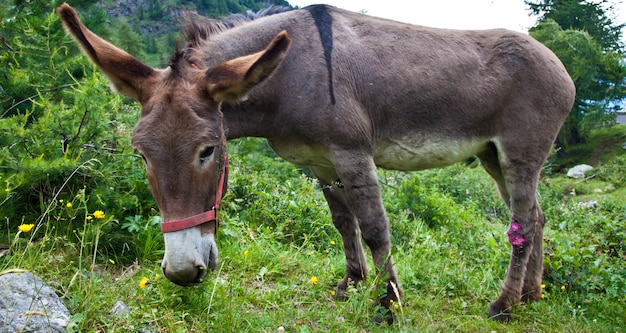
[(454, 14)]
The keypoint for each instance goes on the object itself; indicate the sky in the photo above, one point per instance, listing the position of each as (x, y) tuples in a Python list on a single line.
[(453, 14)]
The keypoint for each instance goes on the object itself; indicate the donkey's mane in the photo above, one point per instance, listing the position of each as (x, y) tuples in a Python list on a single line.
[(199, 28)]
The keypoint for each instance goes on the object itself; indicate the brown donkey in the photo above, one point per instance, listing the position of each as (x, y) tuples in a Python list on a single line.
[(342, 93)]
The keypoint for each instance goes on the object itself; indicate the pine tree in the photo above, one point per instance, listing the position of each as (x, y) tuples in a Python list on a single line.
[(584, 37)]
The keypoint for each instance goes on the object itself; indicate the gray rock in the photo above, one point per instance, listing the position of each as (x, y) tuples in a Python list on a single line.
[(579, 171), (120, 310), (27, 304)]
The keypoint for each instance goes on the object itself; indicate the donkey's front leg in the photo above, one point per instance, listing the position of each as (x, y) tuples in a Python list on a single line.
[(357, 172), (346, 223)]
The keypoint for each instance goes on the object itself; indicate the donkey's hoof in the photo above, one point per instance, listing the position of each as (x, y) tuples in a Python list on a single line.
[(500, 314)]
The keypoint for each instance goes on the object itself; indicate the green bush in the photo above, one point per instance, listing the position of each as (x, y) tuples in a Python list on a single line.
[(289, 202), (614, 171), (63, 137)]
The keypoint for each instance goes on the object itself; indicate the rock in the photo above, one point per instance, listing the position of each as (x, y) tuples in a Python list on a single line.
[(579, 171), (27, 304), (120, 310), (588, 204)]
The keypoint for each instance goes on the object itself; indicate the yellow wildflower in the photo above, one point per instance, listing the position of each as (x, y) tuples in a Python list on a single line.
[(112, 261), (332, 293), (68, 205), (98, 214), (332, 242), (25, 227), (543, 296), (563, 288), (143, 282), (543, 286), (245, 253), (313, 280)]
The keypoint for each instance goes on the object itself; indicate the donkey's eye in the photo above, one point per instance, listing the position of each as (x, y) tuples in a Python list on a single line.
[(206, 154)]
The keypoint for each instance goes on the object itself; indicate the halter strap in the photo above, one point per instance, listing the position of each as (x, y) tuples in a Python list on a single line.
[(208, 216)]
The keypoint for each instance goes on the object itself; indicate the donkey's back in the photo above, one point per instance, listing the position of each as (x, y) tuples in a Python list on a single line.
[(420, 97)]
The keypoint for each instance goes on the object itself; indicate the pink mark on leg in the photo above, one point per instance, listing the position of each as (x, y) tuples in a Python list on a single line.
[(514, 237)]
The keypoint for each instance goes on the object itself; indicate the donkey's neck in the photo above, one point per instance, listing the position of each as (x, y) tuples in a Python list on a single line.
[(255, 116), (244, 120)]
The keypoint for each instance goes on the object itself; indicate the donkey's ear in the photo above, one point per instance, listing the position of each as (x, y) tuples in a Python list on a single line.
[(231, 80), (128, 75)]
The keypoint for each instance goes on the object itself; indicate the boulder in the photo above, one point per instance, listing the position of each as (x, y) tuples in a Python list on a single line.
[(579, 171), (27, 304)]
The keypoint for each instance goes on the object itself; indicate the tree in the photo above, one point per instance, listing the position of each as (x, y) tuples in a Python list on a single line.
[(59, 125), (33, 47), (129, 40), (598, 75), (584, 37), (593, 17)]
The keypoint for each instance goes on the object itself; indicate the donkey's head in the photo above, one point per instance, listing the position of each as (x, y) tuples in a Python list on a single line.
[(181, 137)]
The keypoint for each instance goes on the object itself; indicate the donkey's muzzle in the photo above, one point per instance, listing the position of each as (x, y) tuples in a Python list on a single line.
[(189, 271), (188, 256), (185, 277)]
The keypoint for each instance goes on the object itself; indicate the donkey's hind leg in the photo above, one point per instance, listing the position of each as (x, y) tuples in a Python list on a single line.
[(517, 182), (347, 225)]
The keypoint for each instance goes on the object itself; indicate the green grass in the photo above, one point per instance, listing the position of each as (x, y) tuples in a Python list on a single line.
[(447, 227), (601, 146), (449, 248)]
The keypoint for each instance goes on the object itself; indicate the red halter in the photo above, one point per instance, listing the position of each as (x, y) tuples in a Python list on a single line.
[(208, 216)]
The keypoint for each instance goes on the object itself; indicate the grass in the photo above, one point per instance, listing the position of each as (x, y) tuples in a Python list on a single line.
[(276, 239), (269, 287), (451, 259), (601, 146)]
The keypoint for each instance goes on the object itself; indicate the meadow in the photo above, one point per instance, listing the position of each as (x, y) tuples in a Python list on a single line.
[(77, 211)]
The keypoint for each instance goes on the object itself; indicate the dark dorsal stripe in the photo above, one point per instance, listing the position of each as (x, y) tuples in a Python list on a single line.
[(324, 24)]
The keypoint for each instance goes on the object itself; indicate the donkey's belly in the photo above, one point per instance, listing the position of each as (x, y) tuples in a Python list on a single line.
[(301, 154), (418, 154), (407, 154)]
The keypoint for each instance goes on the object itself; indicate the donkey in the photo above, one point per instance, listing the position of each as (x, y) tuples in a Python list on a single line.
[(342, 93)]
